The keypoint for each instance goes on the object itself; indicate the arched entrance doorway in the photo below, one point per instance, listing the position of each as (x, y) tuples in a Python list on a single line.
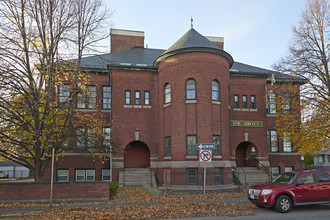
[(246, 155), (137, 155)]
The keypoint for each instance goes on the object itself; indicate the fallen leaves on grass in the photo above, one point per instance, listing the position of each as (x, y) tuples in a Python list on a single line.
[(164, 211), (136, 203)]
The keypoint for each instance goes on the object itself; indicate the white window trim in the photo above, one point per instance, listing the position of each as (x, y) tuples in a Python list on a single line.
[(66, 175)]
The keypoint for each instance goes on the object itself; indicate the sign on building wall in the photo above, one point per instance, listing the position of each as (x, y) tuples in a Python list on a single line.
[(246, 123)]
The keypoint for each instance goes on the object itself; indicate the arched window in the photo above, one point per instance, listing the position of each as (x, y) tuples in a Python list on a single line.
[(215, 91), (191, 89), (167, 93)]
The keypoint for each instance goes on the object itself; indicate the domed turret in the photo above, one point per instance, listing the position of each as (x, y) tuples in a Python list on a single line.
[(192, 41)]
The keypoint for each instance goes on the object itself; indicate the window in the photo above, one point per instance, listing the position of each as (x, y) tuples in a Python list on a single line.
[(168, 146), (63, 96), (191, 89), (217, 145), (86, 138), (287, 145), (236, 101), (272, 140), (321, 177), (80, 175), (253, 102), (285, 102), (62, 175), (192, 175), (288, 169), (105, 175), (253, 151), (217, 176), (319, 159), (244, 103), (306, 178), (87, 98), (146, 98), (271, 103), (137, 98), (215, 91), (167, 93), (275, 171), (106, 98), (85, 175), (191, 145), (127, 97), (106, 136)]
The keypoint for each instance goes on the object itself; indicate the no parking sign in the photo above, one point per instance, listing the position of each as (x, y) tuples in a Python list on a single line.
[(205, 155)]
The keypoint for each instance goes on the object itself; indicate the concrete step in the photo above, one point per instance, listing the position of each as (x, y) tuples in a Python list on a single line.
[(251, 175), (137, 177)]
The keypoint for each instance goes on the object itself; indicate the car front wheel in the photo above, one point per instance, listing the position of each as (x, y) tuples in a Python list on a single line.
[(283, 204)]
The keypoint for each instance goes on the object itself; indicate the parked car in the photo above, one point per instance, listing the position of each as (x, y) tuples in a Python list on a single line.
[(3, 175), (292, 189)]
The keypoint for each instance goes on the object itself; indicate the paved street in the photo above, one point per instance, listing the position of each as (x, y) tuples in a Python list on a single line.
[(319, 212)]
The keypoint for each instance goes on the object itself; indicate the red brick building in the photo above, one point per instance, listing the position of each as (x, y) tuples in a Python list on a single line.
[(164, 102)]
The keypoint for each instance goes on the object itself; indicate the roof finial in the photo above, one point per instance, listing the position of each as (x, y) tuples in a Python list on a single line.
[(191, 22)]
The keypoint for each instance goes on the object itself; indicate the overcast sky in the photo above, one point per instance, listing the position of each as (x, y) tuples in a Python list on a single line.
[(256, 32)]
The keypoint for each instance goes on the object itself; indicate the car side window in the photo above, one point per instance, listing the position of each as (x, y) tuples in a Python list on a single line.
[(306, 178), (321, 177)]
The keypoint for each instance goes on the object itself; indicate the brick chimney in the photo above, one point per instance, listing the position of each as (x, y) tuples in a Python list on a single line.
[(125, 39), (219, 41)]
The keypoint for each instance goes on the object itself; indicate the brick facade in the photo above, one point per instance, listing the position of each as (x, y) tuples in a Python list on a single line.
[(61, 191), (140, 129)]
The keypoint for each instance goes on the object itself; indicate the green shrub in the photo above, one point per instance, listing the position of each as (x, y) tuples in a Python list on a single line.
[(309, 159), (113, 186)]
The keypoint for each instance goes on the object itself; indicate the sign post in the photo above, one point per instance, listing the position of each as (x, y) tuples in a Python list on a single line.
[(206, 156)]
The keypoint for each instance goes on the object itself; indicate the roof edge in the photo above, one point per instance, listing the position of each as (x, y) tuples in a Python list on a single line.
[(195, 49), (132, 68), (266, 76)]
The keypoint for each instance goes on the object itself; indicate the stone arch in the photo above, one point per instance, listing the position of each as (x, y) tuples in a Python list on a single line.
[(137, 155), (245, 155)]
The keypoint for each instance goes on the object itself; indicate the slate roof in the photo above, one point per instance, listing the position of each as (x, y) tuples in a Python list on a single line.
[(192, 39), (139, 57)]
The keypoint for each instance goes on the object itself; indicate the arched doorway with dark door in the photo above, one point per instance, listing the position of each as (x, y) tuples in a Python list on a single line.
[(137, 155), (246, 153)]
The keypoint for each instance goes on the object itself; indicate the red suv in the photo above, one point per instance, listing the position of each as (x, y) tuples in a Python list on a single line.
[(292, 189)]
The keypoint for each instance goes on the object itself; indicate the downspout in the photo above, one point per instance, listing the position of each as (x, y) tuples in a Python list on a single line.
[(110, 150)]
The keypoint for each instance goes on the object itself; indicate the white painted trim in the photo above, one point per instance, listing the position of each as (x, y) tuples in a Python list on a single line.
[(127, 32), (191, 164), (127, 106), (191, 101), (192, 157), (216, 102), (285, 154), (216, 39)]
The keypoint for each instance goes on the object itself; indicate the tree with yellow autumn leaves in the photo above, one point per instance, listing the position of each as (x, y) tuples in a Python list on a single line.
[(38, 41), (308, 60)]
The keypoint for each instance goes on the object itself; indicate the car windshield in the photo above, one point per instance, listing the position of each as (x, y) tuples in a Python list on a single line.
[(286, 178)]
